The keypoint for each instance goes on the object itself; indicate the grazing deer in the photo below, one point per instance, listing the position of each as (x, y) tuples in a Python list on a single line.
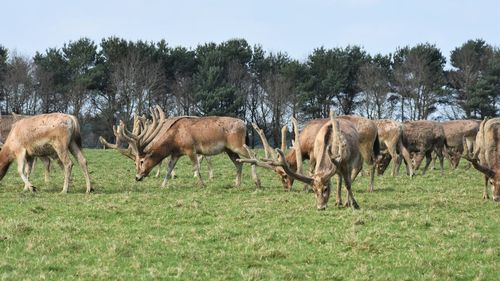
[(487, 151), (421, 138), (457, 132), (54, 135), (6, 123), (191, 136), (368, 146), (390, 134), (128, 152), (336, 151)]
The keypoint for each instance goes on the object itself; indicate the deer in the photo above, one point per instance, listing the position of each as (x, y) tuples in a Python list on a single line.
[(128, 152), (369, 143), (190, 136), (6, 123), (390, 134), (421, 138), (335, 152), (486, 155), (368, 146), (458, 133), (54, 135)]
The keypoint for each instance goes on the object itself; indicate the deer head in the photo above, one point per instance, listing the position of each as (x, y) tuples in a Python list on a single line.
[(142, 135), (493, 174)]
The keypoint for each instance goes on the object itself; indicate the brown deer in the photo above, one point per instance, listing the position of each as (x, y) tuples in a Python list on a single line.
[(390, 134), (487, 152), (6, 123), (190, 136), (138, 124), (457, 132), (421, 138), (368, 146), (54, 135), (336, 151)]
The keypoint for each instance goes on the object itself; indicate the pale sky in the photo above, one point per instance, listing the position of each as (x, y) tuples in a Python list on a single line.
[(294, 26)]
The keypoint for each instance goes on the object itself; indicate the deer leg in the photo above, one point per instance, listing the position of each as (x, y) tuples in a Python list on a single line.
[(433, 161), (338, 198), (307, 187), (209, 166), (62, 153), (441, 161), (485, 192), (77, 153), (428, 159), (158, 172), (396, 159), (196, 167), (239, 167), (371, 168), (28, 164), (21, 162), (407, 159), (356, 171), (470, 146), (46, 168), (170, 168), (350, 196)]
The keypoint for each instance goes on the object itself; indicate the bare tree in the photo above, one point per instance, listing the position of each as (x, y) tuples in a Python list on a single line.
[(18, 86), (137, 81), (277, 88), (374, 81), (182, 90)]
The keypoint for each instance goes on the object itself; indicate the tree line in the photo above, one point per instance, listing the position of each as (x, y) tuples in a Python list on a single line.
[(103, 83)]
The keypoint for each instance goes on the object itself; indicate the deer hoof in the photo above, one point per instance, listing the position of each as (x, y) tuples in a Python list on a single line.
[(355, 205)]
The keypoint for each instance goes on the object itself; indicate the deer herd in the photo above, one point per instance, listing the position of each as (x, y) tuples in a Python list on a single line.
[(336, 146)]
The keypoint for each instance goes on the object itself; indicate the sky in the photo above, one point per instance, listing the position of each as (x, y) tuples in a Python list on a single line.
[(296, 27)]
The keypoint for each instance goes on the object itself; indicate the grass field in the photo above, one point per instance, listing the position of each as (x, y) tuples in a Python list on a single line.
[(426, 228)]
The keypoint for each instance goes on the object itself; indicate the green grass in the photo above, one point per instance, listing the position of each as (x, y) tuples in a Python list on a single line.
[(426, 228)]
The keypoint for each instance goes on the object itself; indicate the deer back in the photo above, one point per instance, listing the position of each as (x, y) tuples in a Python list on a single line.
[(207, 135), (37, 134)]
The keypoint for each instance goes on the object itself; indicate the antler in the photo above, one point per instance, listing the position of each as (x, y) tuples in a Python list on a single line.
[(278, 160), (138, 125), (253, 159), (481, 168), (290, 172), (296, 146), (341, 142), (127, 152), (284, 129), (267, 148), (268, 151), (144, 131)]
